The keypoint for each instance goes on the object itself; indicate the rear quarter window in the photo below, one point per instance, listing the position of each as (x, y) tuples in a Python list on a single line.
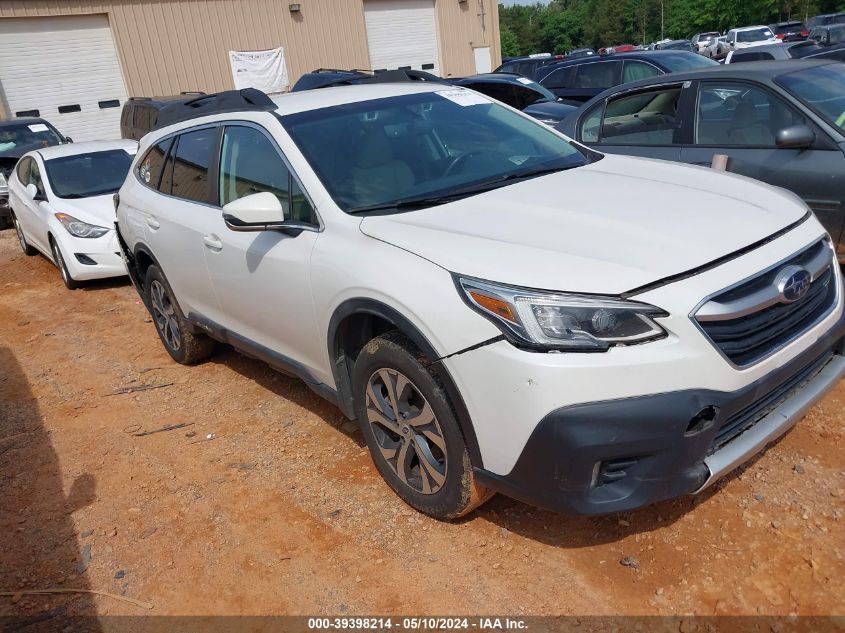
[(149, 169)]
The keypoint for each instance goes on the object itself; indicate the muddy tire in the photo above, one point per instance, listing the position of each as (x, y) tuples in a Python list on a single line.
[(176, 334), (411, 430)]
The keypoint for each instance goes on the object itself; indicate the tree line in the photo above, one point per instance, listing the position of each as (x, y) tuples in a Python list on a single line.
[(562, 25)]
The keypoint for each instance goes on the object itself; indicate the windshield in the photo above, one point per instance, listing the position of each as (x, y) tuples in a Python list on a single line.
[(822, 88), (756, 35), (420, 146), (679, 63), (27, 135), (87, 175)]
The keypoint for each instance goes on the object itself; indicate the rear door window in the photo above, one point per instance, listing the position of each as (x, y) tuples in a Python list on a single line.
[(560, 78), (598, 75), (635, 70), (646, 118), (191, 163)]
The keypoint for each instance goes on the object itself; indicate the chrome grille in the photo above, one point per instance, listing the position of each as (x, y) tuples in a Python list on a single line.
[(753, 320)]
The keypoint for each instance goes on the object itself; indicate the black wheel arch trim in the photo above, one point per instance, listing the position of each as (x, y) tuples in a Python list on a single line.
[(342, 371)]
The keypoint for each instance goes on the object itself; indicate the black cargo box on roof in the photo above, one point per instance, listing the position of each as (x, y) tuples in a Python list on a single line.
[(248, 99)]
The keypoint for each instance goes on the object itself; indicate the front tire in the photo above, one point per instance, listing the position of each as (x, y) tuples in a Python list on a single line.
[(28, 250), (411, 430), (58, 258), (176, 334)]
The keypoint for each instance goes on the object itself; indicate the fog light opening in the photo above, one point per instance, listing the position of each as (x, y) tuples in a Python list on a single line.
[(702, 420)]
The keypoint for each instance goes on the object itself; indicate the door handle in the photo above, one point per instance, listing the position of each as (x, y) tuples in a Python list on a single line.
[(153, 223), (212, 242)]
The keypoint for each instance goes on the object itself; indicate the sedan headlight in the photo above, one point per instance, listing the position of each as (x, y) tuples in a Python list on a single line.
[(558, 321), (78, 228)]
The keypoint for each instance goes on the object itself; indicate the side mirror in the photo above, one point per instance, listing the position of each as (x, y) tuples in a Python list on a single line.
[(795, 137), (32, 192), (259, 212), (69, 139)]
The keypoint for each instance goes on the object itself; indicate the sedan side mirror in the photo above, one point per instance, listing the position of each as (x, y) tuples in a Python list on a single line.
[(795, 137), (32, 193), (259, 212), (69, 139)]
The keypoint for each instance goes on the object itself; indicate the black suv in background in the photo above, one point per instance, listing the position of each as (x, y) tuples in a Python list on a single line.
[(17, 137), (140, 114)]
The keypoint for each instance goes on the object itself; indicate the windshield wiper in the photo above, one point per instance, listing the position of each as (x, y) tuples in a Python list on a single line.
[(423, 202)]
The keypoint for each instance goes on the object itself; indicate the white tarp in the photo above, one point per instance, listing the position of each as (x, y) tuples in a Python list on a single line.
[(264, 70)]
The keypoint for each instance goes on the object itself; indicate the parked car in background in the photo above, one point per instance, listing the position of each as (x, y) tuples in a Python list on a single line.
[(718, 48), (779, 122), (750, 36), (62, 201), (500, 309), (139, 114), (761, 53), (17, 137), (794, 31), (580, 80), (578, 53), (701, 41), (521, 93), (807, 49), (528, 66), (676, 45), (825, 19), (830, 35)]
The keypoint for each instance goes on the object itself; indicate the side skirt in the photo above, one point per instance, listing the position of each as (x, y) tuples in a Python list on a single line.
[(260, 352)]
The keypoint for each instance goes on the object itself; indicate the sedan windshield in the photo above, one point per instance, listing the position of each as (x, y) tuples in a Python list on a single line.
[(424, 149), (822, 88), (27, 135), (756, 35), (679, 63), (86, 175)]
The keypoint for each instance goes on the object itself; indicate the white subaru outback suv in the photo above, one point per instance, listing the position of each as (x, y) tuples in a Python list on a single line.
[(502, 310)]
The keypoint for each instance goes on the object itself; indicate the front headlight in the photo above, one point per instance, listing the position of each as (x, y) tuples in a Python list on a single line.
[(570, 322), (78, 228)]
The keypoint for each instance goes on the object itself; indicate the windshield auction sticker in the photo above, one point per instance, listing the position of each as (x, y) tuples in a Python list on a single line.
[(463, 97)]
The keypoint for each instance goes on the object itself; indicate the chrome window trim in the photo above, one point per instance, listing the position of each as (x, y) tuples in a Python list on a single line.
[(319, 228)]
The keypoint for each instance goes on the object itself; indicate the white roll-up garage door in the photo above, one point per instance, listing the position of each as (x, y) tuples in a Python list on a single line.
[(402, 34), (63, 69)]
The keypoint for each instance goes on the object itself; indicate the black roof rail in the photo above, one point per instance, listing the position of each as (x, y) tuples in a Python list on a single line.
[(389, 76), (248, 99)]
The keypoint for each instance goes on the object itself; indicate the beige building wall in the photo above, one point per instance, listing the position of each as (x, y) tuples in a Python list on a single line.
[(462, 27), (167, 46)]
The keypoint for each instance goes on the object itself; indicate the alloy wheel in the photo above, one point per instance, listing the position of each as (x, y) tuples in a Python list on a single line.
[(406, 431), (165, 316)]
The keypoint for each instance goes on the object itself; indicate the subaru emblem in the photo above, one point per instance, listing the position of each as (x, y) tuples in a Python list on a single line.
[(792, 283)]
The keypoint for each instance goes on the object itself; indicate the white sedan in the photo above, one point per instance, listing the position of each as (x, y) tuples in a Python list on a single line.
[(61, 201)]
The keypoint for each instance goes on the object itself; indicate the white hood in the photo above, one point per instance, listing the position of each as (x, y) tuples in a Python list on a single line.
[(609, 227), (98, 210)]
